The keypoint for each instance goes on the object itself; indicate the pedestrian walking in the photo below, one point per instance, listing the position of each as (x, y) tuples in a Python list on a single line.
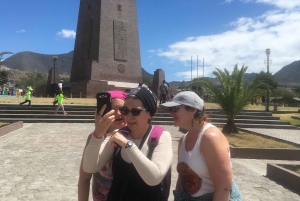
[(27, 97), (60, 98)]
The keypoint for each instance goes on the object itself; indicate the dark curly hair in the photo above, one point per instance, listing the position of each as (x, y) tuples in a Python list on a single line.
[(199, 115)]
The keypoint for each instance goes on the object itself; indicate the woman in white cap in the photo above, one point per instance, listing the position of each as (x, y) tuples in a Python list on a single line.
[(204, 165)]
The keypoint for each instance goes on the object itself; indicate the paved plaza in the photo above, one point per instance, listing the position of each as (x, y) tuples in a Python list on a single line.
[(41, 162), (283, 134)]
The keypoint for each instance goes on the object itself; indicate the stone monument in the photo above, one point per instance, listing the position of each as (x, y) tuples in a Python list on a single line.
[(50, 81), (106, 53), (51, 78), (158, 77)]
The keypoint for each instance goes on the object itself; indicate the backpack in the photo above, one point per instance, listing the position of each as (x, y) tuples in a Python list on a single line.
[(162, 89), (152, 143)]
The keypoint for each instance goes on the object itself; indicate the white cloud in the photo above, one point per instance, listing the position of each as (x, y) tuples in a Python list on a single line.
[(245, 43), (286, 4), (65, 33), (228, 1), (21, 31)]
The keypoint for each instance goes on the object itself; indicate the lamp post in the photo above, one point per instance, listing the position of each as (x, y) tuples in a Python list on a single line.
[(54, 60), (268, 52)]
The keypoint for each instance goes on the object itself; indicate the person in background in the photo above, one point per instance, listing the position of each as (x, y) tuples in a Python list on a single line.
[(27, 97), (60, 85), (103, 178), (135, 176), (163, 88), (60, 98), (204, 167)]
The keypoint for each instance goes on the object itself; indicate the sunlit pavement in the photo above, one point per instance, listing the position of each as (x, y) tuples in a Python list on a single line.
[(41, 162)]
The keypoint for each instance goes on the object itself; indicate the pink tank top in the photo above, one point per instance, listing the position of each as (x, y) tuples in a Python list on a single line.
[(193, 170)]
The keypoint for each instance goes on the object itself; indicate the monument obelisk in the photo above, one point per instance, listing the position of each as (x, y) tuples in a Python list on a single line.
[(106, 53)]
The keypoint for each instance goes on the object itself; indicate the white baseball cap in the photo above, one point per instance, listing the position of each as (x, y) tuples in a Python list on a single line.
[(188, 98)]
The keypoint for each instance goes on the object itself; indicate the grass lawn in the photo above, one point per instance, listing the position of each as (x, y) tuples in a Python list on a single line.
[(288, 118), (294, 168), (38, 100), (248, 140), (3, 124)]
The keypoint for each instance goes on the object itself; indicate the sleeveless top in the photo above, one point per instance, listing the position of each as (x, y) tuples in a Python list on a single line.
[(128, 184), (193, 170)]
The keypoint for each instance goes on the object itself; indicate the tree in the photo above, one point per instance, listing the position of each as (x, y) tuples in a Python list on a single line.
[(296, 89), (65, 80), (232, 95), (32, 79), (3, 53), (283, 95), (268, 80), (147, 81), (3, 77)]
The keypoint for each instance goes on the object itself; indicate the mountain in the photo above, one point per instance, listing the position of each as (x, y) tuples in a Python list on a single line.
[(30, 61), (289, 74), (147, 75)]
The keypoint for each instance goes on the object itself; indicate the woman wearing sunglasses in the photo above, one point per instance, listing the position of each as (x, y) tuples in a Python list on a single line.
[(135, 176), (102, 179), (204, 165)]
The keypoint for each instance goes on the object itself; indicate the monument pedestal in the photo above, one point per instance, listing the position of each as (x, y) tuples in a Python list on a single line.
[(89, 89)]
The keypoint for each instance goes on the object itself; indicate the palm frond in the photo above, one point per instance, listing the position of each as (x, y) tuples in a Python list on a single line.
[(231, 95)]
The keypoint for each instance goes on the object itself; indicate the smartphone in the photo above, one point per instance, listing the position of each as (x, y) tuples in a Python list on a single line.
[(103, 98)]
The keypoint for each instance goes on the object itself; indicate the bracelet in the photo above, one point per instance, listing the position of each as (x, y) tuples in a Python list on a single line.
[(95, 136)]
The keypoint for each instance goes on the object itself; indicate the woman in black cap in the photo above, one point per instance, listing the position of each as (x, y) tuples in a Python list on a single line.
[(136, 177)]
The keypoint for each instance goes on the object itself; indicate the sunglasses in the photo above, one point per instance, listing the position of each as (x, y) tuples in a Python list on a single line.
[(174, 109), (134, 111)]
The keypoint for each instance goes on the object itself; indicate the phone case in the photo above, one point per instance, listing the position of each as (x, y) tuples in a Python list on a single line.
[(103, 98)]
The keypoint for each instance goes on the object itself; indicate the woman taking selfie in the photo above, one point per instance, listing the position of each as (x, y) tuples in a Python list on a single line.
[(103, 178), (204, 165), (136, 177)]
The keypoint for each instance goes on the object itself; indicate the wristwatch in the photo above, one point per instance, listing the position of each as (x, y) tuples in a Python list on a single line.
[(129, 144)]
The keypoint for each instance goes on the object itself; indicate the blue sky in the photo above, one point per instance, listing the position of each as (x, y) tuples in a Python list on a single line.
[(223, 32)]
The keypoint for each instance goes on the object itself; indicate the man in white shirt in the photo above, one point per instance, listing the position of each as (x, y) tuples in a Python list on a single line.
[(60, 85)]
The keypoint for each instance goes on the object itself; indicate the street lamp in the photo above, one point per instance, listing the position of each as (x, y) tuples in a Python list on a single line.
[(268, 52), (54, 60)]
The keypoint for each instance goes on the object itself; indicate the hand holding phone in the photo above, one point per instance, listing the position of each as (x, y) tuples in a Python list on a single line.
[(103, 98)]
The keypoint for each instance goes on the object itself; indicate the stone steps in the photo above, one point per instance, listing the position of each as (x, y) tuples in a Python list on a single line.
[(76, 115), (85, 114)]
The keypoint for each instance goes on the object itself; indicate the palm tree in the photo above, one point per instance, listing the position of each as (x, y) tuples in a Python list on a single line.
[(232, 95)]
